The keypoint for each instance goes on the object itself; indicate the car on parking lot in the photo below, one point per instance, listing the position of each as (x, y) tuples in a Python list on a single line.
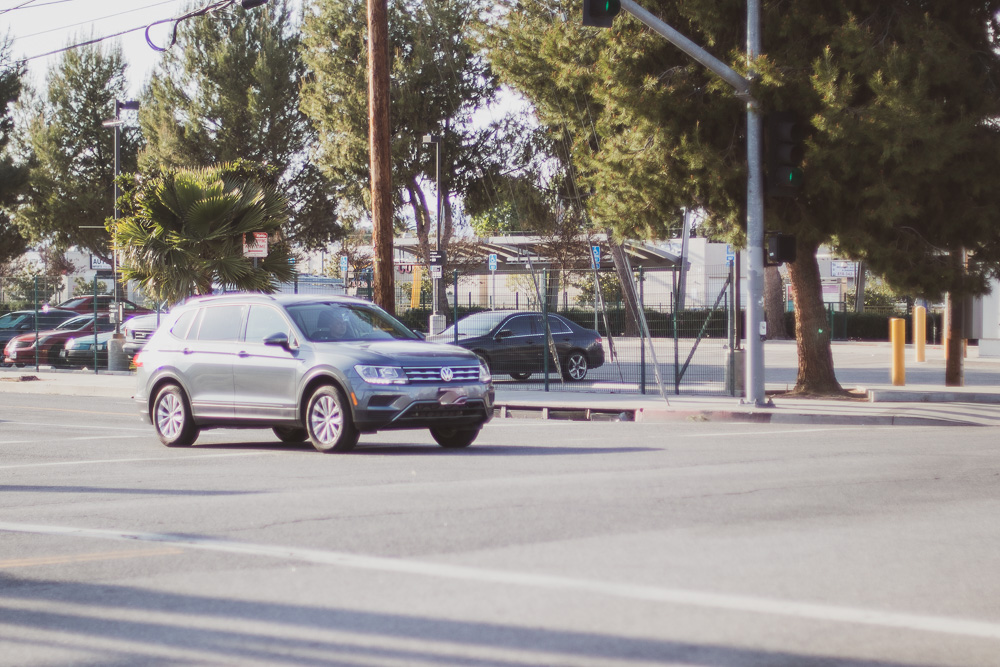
[(326, 369), (514, 342), (105, 302), (137, 331), (79, 352), (20, 350), (19, 322)]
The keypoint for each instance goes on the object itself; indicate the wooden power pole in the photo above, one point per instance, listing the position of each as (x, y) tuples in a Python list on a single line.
[(383, 287)]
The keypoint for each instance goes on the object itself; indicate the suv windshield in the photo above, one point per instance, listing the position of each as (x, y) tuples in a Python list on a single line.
[(347, 322)]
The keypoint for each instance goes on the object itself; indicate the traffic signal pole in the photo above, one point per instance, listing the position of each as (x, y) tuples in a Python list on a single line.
[(755, 322)]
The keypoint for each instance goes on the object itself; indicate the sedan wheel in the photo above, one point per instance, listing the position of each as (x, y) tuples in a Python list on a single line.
[(329, 422), (172, 418), (575, 367), (454, 438)]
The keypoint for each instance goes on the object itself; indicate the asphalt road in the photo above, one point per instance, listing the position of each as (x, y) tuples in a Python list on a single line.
[(545, 543)]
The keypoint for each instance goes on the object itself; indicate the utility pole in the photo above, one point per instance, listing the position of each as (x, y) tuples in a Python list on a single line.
[(383, 287)]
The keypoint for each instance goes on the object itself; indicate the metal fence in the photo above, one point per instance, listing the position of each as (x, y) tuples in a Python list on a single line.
[(650, 347), (655, 343)]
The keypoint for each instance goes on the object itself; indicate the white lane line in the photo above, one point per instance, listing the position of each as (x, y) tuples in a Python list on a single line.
[(79, 437), (79, 427), (718, 601), (158, 459)]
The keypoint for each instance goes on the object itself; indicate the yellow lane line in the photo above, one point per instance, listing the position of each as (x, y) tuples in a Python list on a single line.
[(87, 558)]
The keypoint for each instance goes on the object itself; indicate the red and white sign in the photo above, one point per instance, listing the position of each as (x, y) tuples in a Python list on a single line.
[(259, 250)]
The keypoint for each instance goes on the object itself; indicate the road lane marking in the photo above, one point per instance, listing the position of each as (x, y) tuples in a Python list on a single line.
[(87, 558), (83, 412), (163, 458), (681, 597), (74, 426)]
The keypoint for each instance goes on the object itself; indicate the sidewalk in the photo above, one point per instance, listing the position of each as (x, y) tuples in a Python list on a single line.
[(863, 367)]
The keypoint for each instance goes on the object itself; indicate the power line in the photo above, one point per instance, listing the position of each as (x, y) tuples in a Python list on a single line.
[(23, 4), (44, 4), (94, 20)]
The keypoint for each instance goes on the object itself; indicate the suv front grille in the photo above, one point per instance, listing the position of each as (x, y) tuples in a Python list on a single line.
[(430, 374)]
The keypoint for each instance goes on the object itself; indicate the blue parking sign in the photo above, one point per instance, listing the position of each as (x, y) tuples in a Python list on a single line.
[(343, 264), (596, 251), (493, 262)]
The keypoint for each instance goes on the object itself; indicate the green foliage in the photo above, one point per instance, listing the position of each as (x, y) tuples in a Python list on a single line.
[(27, 287), (81, 286), (72, 175), (611, 289), (185, 230), (879, 294), (230, 90), (13, 176)]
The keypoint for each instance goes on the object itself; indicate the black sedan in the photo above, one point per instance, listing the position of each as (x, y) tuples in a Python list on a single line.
[(513, 342)]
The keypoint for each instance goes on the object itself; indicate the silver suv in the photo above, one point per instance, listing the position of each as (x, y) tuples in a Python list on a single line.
[(324, 369)]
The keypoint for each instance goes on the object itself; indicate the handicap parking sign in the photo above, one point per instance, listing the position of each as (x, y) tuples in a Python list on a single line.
[(493, 262)]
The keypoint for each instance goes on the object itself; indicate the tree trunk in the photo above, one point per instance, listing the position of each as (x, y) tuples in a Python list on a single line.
[(774, 301), (954, 369), (812, 331)]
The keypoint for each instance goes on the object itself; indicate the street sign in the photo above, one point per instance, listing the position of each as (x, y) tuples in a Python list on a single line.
[(260, 247), (343, 265), (595, 251), (842, 269), (437, 271), (730, 254), (493, 262), (436, 257)]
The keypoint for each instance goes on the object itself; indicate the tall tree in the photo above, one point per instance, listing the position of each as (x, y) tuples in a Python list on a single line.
[(185, 229), (13, 175), (70, 190), (899, 98), (229, 90), (438, 80)]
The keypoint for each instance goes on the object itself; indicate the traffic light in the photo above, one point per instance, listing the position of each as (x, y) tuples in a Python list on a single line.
[(780, 249), (785, 150), (600, 13)]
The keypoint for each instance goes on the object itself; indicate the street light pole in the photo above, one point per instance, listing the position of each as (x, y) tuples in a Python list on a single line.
[(436, 317), (116, 123)]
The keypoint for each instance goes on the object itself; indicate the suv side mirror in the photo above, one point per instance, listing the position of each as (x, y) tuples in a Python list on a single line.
[(278, 340)]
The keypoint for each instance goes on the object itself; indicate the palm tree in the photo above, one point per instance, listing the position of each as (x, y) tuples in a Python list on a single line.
[(186, 232)]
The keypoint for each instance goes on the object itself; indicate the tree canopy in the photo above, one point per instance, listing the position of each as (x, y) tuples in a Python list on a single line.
[(12, 173), (229, 90), (900, 99)]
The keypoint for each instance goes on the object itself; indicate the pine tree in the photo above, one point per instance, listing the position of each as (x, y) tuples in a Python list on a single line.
[(899, 98), (12, 174), (229, 90)]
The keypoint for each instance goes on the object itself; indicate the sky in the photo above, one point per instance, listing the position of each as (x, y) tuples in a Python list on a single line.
[(41, 26)]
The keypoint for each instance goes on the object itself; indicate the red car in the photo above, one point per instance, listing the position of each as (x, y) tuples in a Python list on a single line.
[(20, 351), (84, 304)]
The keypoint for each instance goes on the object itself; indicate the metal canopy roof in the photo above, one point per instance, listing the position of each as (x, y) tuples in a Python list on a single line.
[(515, 251)]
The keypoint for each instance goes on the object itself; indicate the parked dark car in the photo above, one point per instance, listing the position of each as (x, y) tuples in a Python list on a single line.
[(79, 352), (324, 369), (23, 321), (513, 342), (20, 350), (84, 304)]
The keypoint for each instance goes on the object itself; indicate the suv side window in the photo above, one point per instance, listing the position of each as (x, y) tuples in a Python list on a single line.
[(183, 325), (221, 323), (264, 321)]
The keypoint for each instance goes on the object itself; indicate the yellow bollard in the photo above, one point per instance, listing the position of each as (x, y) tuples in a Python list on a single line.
[(920, 333), (897, 336)]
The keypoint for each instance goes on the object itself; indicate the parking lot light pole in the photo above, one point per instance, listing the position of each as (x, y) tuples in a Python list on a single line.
[(116, 123), (436, 140)]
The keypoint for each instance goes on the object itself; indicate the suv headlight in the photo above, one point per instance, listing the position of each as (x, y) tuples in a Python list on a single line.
[(381, 374), (484, 372), (70, 344)]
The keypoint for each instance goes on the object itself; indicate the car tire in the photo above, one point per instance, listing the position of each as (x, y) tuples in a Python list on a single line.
[(291, 434), (54, 359), (574, 368), (520, 376), (172, 418), (454, 438), (329, 423)]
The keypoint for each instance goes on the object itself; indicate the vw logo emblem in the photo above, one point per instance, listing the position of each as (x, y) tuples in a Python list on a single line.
[(447, 374)]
